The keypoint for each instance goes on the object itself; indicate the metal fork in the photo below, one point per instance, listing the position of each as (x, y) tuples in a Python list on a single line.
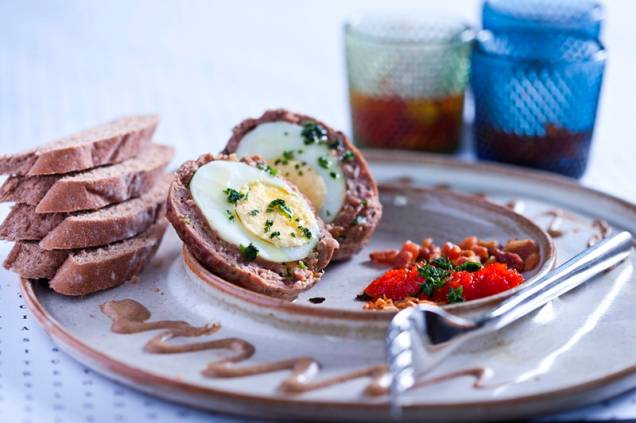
[(421, 337)]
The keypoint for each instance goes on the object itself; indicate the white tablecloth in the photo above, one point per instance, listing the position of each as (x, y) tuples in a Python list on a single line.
[(204, 66)]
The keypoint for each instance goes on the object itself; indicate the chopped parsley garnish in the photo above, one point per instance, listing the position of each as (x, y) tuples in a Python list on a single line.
[(253, 212), (442, 263), (455, 295), (293, 235), (333, 175), (328, 213), (268, 225), (324, 162), (229, 214), (469, 266), (288, 155), (279, 205), (364, 202), (275, 234), (348, 156), (233, 196), (435, 277), (267, 168), (306, 232), (313, 133), (334, 144), (302, 265), (249, 253), (359, 219), (297, 219)]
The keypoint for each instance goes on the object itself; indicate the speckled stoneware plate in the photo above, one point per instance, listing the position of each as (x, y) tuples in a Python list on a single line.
[(409, 212), (182, 334)]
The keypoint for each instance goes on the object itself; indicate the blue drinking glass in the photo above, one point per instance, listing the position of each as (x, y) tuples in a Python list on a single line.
[(581, 16), (536, 96)]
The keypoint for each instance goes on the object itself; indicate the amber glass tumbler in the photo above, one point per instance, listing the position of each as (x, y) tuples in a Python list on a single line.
[(407, 79)]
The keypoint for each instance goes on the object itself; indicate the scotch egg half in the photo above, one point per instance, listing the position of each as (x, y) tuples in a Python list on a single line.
[(302, 155), (250, 208)]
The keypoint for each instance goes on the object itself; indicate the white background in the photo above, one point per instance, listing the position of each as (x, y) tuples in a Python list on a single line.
[(204, 66)]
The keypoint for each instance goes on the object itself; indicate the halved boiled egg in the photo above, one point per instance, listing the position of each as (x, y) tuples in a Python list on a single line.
[(249, 207), (301, 155)]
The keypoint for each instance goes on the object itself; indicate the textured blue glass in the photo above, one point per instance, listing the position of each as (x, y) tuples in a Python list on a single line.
[(536, 96), (581, 16)]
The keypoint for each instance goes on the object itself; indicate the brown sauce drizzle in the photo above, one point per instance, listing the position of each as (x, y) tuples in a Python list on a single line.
[(603, 230), (554, 228), (480, 374), (516, 206), (558, 216), (129, 316)]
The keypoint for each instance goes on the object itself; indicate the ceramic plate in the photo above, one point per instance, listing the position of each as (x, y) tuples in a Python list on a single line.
[(225, 356), (409, 212)]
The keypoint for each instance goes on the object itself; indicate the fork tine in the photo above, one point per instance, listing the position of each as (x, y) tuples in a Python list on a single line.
[(402, 338)]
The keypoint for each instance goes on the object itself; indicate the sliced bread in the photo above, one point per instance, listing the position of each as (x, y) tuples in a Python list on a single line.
[(92, 189), (82, 272), (108, 143), (26, 189), (24, 224), (87, 229)]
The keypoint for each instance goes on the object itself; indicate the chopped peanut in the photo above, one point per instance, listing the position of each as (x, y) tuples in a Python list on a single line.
[(522, 255), (384, 256), (403, 259)]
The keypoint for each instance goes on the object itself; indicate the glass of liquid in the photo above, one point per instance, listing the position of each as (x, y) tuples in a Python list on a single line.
[(407, 78)]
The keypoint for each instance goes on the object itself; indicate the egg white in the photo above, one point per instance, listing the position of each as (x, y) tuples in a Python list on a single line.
[(271, 139), (207, 186)]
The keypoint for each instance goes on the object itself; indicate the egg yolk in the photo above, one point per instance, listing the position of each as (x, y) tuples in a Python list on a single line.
[(275, 215), (306, 179)]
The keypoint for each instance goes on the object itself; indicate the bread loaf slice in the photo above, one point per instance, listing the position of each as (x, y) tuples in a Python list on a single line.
[(26, 189), (24, 224), (32, 262), (108, 143), (87, 229), (82, 272), (92, 189)]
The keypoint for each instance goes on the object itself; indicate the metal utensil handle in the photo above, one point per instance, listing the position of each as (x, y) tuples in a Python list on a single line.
[(582, 267)]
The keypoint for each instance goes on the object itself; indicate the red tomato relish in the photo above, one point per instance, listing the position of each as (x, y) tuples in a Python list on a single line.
[(444, 284)]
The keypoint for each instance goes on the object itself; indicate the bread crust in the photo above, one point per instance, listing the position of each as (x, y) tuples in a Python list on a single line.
[(108, 143), (63, 231), (81, 272), (80, 277), (94, 229), (24, 224), (282, 280), (355, 223), (92, 189)]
